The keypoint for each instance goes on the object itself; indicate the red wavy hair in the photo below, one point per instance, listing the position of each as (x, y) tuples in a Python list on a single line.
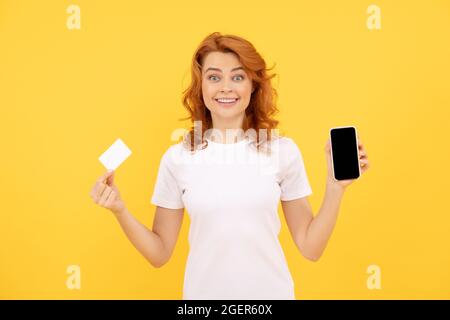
[(262, 106)]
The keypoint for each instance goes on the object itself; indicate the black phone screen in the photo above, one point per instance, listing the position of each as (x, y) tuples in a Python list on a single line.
[(344, 151)]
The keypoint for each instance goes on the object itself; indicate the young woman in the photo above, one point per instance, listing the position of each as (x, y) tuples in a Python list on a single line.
[(231, 199)]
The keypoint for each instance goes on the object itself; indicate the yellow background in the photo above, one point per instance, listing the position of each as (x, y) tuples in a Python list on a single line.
[(66, 95)]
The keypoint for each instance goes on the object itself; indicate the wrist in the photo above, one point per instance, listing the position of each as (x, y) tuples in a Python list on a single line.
[(334, 186), (120, 213)]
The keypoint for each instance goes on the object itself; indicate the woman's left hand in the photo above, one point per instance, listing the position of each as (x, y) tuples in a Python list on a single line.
[(363, 161)]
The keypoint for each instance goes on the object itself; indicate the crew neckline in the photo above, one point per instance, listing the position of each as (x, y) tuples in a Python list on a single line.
[(220, 144)]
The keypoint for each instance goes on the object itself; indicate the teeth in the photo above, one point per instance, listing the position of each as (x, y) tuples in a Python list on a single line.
[(226, 100)]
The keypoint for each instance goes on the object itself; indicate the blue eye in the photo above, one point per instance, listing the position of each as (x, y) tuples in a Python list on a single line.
[(214, 76)]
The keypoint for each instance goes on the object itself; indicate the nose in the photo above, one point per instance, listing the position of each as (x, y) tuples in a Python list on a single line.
[(226, 86)]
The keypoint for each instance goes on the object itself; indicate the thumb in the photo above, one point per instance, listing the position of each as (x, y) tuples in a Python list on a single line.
[(108, 177), (327, 146)]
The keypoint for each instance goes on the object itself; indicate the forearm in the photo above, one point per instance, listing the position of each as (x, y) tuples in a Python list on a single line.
[(148, 243), (321, 227)]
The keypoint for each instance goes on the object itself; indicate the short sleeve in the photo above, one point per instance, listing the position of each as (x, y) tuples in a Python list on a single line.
[(167, 192), (294, 180)]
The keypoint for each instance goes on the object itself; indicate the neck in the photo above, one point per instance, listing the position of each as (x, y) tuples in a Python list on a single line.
[(229, 130)]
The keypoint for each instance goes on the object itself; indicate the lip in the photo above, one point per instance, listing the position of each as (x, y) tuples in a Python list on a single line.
[(224, 104)]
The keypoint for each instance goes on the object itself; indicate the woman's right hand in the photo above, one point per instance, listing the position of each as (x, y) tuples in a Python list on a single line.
[(106, 194)]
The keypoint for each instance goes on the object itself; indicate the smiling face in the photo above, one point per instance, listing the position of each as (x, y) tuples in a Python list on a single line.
[(226, 89)]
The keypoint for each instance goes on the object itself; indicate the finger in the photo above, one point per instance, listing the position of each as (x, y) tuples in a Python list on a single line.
[(105, 196), (327, 145), (110, 200), (364, 164), (110, 179), (365, 168), (96, 189), (94, 192), (105, 176), (362, 149), (101, 189)]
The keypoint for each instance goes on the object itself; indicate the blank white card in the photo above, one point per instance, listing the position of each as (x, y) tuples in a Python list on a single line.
[(115, 155)]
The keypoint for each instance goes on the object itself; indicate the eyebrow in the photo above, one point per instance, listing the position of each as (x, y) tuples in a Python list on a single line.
[(217, 69)]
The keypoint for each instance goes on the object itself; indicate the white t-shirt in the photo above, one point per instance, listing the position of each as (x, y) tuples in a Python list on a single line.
[(231, 194)]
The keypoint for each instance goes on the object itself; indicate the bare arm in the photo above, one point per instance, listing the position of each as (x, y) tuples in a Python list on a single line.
[(311, 234), (155, 245)]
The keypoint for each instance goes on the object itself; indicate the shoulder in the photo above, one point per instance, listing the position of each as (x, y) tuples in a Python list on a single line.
[(174, 148), (289, 153), (286, 141), (174, 154), (285, 144)]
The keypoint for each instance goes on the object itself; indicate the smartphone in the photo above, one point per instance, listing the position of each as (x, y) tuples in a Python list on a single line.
[(345, 153)]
